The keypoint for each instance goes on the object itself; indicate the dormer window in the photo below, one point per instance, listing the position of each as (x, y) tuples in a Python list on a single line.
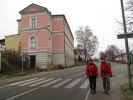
[(34, 22)]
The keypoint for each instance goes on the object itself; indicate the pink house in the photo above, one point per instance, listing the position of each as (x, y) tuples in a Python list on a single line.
[(46, 38)]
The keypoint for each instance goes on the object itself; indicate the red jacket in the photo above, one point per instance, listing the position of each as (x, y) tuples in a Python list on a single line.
[(91, 70), (105, 69)]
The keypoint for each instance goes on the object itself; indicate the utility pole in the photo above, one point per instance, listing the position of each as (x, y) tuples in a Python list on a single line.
[(126, 44)]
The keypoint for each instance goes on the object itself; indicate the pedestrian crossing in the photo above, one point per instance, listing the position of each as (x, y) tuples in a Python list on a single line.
[(73, 83), (62, 83), (53, 83), (41, 82)]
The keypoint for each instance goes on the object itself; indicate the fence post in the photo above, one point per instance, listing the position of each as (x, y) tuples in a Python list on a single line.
[(22, 60), (0, 61)]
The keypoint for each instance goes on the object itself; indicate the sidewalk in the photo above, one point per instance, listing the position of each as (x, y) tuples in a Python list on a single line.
[(115, 93), (116, 81)]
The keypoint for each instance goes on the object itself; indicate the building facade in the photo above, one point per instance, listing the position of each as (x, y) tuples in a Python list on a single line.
[(122, 58), (46, 38)]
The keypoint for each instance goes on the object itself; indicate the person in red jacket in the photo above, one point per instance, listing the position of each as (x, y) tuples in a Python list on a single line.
[(91, 73), (106, 73)]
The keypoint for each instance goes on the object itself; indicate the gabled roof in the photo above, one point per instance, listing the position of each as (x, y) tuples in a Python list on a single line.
[(29, 9)]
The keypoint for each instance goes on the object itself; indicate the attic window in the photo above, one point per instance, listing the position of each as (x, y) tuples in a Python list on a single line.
[(34, 22)]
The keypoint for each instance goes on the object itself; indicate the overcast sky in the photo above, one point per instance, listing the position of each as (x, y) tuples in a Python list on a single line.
[(100, 15)]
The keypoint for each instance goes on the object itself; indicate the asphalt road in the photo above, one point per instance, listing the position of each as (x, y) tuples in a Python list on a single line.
[(68, 84)]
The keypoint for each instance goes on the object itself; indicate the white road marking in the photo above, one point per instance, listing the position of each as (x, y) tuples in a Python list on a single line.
[(73, 83), (21, 82), (4, 86), (32, 82), (87, 94), (41, 82), (85, 84), (50, 83), (22, 94), (62, 83)]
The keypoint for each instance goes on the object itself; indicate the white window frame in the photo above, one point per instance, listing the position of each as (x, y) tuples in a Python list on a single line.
[(33, 22), (30, 43)]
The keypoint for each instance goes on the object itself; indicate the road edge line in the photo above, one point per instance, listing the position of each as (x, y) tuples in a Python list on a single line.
[(87, 94)]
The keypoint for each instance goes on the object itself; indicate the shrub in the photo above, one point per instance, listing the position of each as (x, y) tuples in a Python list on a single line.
[(126, 92), (54, 67), (50, 67), (59, 66)]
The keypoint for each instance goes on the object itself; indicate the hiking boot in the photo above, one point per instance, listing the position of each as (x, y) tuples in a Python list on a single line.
[(94, 91), (106, 92)]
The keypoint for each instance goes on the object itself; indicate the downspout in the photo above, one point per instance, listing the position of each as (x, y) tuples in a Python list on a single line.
[(64, 49)]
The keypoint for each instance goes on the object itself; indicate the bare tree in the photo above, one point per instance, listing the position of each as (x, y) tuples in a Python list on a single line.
[(129, 15), (89, 42), (111, 52), (129, 18)]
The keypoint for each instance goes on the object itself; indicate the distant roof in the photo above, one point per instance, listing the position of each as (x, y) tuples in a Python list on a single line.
[(121, 55), (13, 35), (40, 9)]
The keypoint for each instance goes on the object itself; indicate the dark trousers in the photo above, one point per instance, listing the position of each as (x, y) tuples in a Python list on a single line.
[(92, 81), (106, 84)]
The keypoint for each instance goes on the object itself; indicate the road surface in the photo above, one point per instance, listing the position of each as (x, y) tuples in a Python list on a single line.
[(68, 84)]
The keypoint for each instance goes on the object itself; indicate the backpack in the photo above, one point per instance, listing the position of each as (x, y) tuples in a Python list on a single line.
[(105, 69), (92, 70)]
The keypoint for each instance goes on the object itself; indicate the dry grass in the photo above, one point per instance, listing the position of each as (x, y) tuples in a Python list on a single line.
[(126, 92)]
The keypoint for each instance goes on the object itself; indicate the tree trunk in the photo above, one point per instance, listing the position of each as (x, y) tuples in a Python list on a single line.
[(85, 52)]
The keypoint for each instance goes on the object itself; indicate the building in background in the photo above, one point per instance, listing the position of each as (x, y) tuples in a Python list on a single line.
[(121, 58), (46, 38), (12, 42)]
